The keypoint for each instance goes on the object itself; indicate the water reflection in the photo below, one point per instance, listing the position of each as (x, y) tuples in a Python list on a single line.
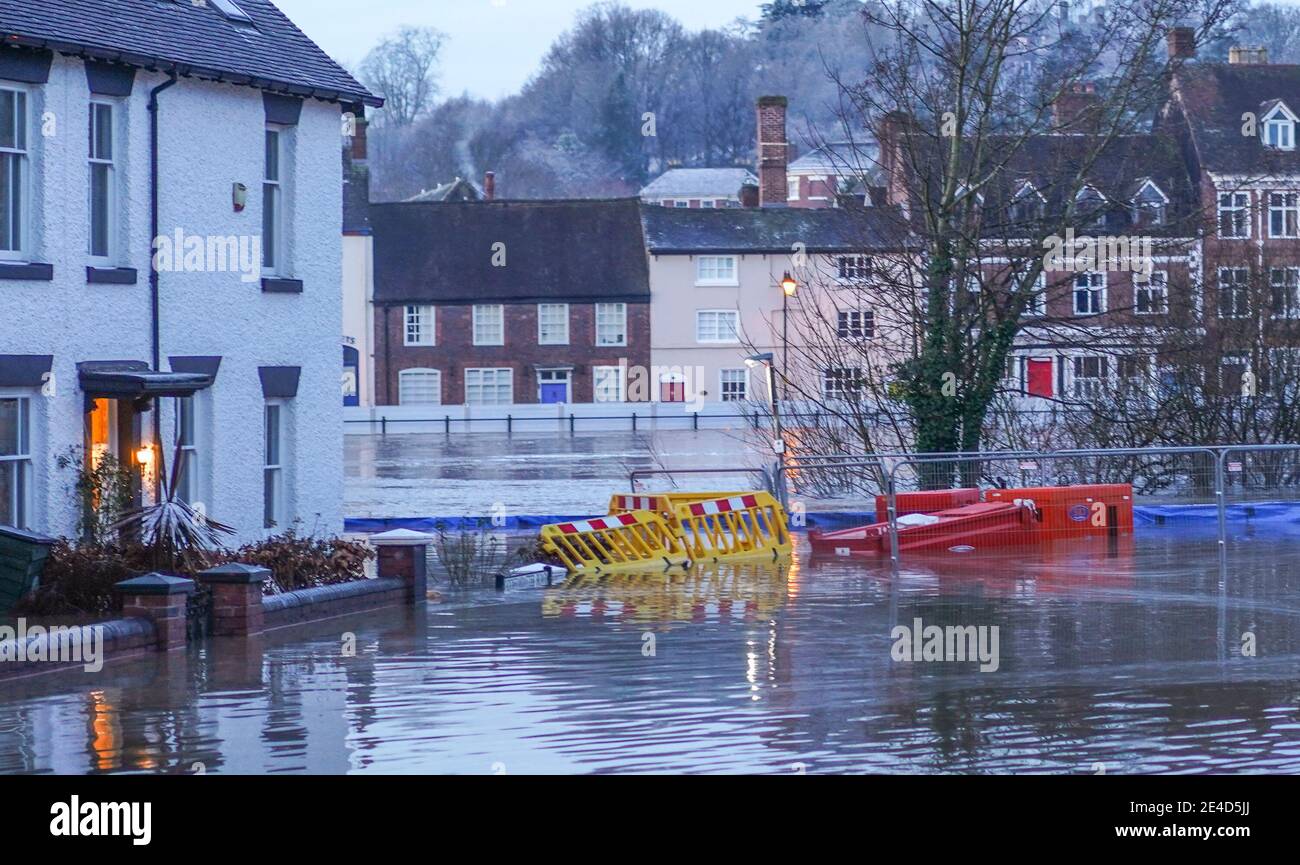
[(1128, 657)]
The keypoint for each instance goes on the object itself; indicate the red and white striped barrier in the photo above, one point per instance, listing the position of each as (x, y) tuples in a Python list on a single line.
[(598, 525), (722, 506), (637, 503)]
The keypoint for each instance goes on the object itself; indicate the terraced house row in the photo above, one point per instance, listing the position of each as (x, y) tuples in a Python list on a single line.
[(499, 302)]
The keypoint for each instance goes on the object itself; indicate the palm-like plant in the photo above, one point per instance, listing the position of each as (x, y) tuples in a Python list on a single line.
[(176, 535)]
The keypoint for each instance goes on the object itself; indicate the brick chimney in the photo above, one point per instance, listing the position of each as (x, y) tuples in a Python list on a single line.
[(1077, 109), (1181, 42), (773, 152), (749, 195), (490, 186), (359, 144)]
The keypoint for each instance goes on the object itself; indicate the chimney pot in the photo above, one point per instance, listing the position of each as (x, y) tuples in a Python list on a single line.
[(1181, 42), (490, 186), (1077, 109), (1239, 55), (773, 151)]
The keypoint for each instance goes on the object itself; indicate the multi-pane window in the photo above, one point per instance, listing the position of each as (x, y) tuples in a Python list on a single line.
[(273, 505), (419, 330), (489, 386), (715, 270), (607, 383), (489, 324), (1232, 373), (1280, 133), (1234, 292), (1285, 285), (856, 324), (273, 204), (103, 181), (1151, 296), (1090, 293), (735, 385), (854, 268), (1234, 214), (419, 387), (1284, 214), (841, 382), (717, 325), (1089, 376), (611, 324), (552, 324), (15, 460), (792, 189), (1036, 305), (187, 442), (13, 172), (1027, 207)]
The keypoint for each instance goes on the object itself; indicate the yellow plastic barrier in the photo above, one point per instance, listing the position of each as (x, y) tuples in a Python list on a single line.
[(663, 504), (634, 540), (746, 524)]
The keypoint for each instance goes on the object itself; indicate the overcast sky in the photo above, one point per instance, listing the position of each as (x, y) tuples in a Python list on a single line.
[(494, 45)]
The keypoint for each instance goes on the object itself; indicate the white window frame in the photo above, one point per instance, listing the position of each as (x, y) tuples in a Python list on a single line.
[(1244, 286), (497, 372), (21, 154), (542, 324), (1084, 386), (857, 383), (425, 373), (111, 193), (20, 500), (1037, 306), (847, 330), (611, 316), (1289, 206), (420, 325), (1291, 305), (600, 384), (792, 190), (1281, 121), (1159, 208), (853, 269), (189, 443), (1156, 286), (481, 334), (1240, 215), (274, 507), (1097, 283), (743, 395), (717, 337), (709, 270), (274, 248)]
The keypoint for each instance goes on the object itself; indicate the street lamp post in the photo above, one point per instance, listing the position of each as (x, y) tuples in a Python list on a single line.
[(789, 288)]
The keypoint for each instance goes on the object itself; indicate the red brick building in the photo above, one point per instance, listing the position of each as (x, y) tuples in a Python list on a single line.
[(505, 302)]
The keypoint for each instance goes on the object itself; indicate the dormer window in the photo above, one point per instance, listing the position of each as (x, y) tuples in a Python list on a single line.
[(1278, 128), (1150, 204), (1026, 205), (1090, 205)]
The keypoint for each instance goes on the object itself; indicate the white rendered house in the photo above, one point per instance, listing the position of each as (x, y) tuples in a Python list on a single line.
[(170, 258)]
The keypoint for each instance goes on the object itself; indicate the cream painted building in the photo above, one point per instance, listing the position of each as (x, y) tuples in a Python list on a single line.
[(717, 298)]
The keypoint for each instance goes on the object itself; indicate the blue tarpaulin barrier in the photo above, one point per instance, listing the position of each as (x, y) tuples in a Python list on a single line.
[(1282, 516)]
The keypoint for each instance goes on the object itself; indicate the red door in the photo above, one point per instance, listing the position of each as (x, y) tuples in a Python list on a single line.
[(1040, 378), (672, 391)]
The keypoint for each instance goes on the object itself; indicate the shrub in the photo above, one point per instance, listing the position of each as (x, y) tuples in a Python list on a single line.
[(297, 562)]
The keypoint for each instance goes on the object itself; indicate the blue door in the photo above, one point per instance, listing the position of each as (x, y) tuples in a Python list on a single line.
[(553, 393), (553, 386), (351, 376)]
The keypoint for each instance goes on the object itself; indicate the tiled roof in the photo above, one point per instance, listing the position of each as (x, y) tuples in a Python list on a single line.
[(577, 250), (453, 190), (774, 230), (699, 183), (1214, 96), (192, 38)]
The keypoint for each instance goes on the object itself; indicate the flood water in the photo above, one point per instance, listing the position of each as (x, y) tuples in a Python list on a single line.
[(1111, 658)]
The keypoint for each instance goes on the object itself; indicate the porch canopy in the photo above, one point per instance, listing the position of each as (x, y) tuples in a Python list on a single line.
[(134, 380)]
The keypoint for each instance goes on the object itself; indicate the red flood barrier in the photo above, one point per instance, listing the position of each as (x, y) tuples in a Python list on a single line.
[(1084, 509), (927, 502)]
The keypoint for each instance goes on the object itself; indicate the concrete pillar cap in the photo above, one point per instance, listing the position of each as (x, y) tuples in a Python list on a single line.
[(401, 538), (235, 572), (156, 584)]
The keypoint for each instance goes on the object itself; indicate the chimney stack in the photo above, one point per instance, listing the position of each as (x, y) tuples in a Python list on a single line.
[(490, 186), (749, 196), (1077, 109), (1181, 42), (359, 144), (1239, 56), (773, 152)]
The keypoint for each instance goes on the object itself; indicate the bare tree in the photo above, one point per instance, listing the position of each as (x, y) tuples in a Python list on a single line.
[(403, 67)]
